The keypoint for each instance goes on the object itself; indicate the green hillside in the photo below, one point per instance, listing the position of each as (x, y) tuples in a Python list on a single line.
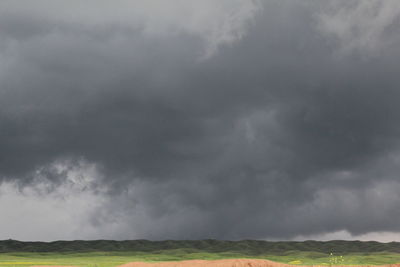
[(251, 247), (105, 253)]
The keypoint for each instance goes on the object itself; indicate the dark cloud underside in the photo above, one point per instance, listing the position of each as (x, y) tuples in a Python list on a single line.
[(289, 127)]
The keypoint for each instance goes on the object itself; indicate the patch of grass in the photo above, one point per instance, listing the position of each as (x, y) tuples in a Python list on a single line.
[(104, 253), (111, 259), (251, 247)]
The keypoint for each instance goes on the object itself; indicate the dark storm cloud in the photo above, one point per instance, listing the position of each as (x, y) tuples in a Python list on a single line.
[(291, 129)]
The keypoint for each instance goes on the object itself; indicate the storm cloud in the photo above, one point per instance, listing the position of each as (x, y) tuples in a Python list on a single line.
[(222, 119)]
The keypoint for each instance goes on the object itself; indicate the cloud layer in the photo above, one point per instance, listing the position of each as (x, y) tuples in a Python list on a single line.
[(212, 119)]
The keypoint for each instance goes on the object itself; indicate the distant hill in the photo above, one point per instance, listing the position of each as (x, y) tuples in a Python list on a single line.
[(209, 245)]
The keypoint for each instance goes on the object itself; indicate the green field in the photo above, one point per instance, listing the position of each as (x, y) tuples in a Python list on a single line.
[(92, 253), (109, 259)]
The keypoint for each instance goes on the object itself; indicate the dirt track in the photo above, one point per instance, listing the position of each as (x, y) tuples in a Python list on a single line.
[(221, 263)]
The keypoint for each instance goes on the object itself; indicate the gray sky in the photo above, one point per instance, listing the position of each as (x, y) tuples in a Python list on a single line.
[(228, 119)]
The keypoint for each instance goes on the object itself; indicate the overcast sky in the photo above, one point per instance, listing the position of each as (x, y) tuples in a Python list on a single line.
[(181, 119)]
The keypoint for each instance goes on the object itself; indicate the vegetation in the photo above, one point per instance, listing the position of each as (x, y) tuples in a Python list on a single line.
[(104, 253), (251, 247)]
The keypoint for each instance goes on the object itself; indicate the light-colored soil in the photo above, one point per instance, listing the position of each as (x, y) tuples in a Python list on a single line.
[(221, 263)]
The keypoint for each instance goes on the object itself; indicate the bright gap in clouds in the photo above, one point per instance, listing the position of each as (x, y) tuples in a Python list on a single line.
[(44, 211), (345, 235), (59, 215)]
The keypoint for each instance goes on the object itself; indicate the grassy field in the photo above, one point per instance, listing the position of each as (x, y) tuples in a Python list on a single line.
[(110, 259), (104, 253)]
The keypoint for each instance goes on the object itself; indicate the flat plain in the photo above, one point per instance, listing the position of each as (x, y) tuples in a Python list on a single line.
[(104, 253)]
